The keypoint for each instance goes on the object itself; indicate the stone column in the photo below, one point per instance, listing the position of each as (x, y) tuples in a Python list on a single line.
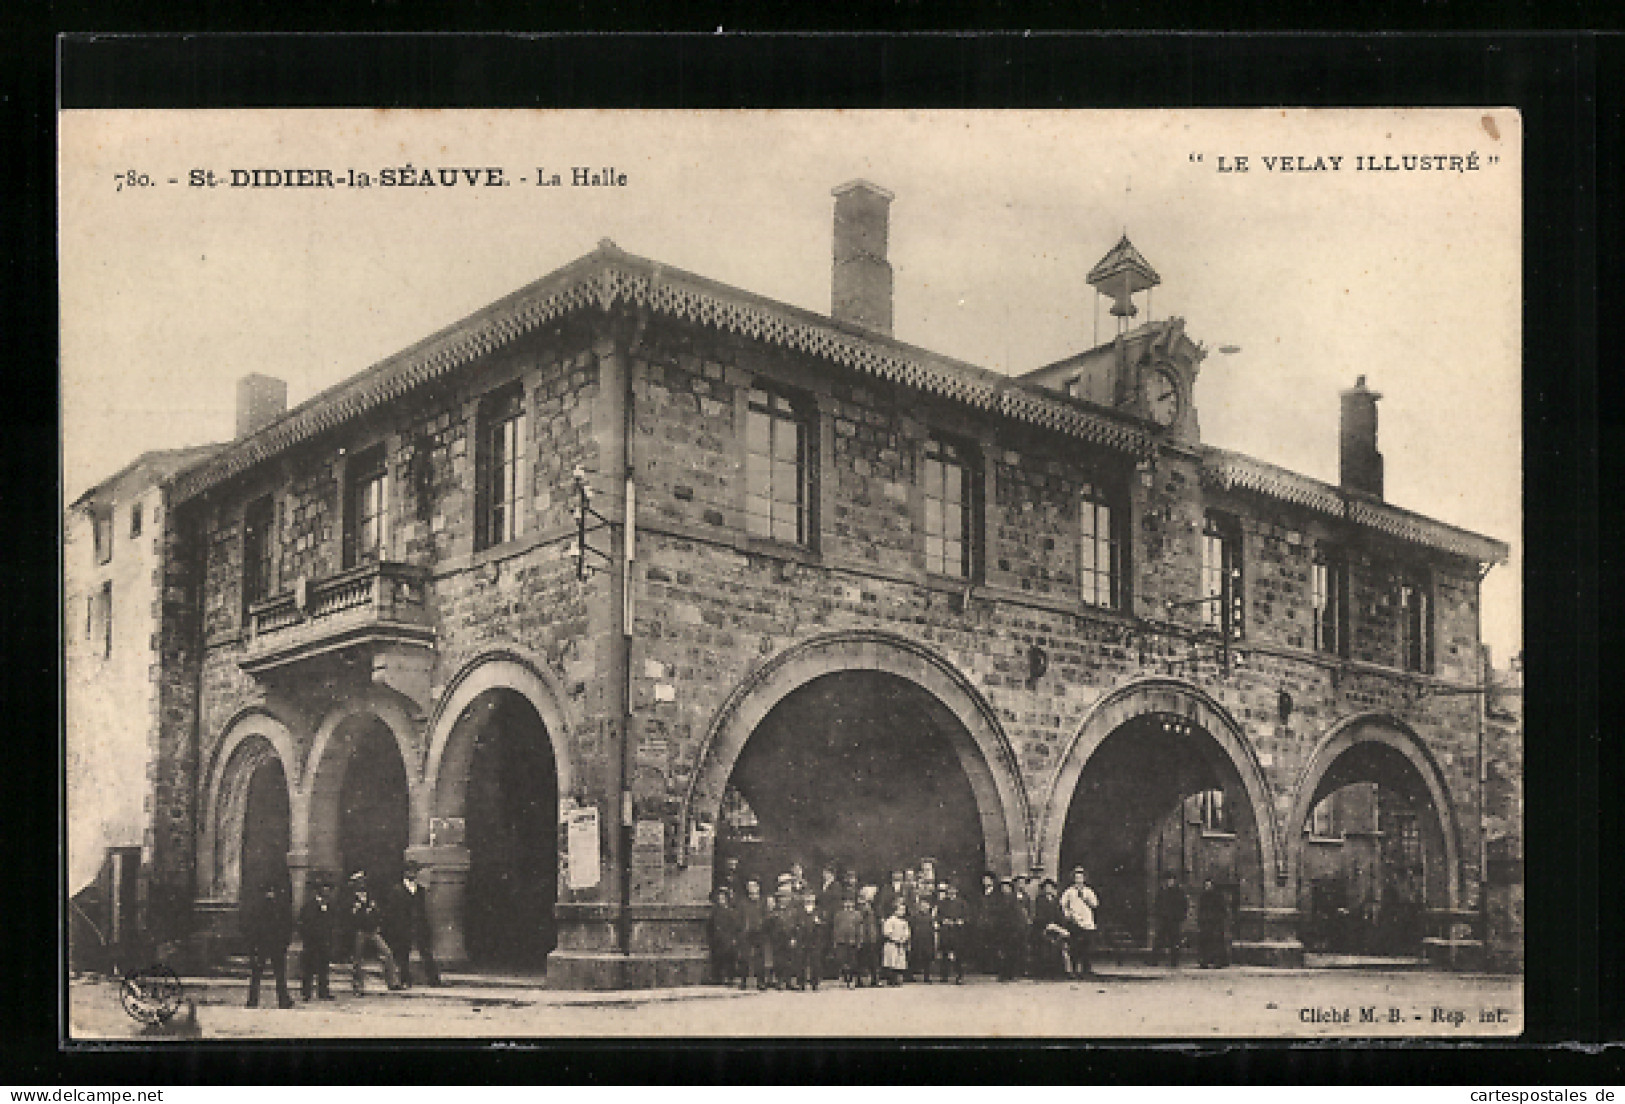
[(445, 874)]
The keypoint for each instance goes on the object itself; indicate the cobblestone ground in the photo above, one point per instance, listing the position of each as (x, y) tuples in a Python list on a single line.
[(1127, 1002)]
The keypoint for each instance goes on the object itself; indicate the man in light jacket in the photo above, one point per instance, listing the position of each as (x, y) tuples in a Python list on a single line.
[(1078, 905)]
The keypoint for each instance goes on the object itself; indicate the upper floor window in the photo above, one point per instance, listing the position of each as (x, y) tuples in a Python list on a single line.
[(135, 521), (259, 541), (1221, 576), (103, 618), (1415, 627), (365, 507), (101, 521), (1330, 588), (1100, 548), (778, 468), (501, 458), (950, 477)]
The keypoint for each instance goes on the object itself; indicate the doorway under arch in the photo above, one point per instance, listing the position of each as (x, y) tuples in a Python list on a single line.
[(374, 806), (1374, 842), (500, 779), (1159, 796), (266, 828)]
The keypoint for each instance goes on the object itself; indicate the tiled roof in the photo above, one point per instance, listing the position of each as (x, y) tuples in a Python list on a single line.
[(607, 277), (1233, 471)]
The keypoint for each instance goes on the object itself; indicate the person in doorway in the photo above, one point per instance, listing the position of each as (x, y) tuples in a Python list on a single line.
[(1024, 900), (723, 935), (1169, 917), (406, 925), (846, 934), (869, 949), (1212, 926), (318, 920), (894, 955), (1078, 905), (922, 935), (829, 903), (953, 928), (1050, 933), (365, 941), (727, 876), (1010, 926), (752, 936), (782, 924), (812, 934), (268, 923), (984, 918), (896, 890)]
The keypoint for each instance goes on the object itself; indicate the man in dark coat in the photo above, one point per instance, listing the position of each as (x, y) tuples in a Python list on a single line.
[(1212, 920), (723, 937), (953, 931), (830, 893), (318, 920), (1171, 909), (1007, 931), (983, 919), (268, 923), (752, 935), (406, 925), (1049, 932), (366, 943)]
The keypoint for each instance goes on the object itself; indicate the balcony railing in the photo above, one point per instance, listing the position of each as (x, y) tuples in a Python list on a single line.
[(376, 603)]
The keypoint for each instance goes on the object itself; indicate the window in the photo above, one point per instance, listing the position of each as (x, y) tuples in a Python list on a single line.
[(778, 469), (950, 483), (1330, 578), (1415, 627), (1323, 820), (259, 540), (135, 521), (101, 520), (739, 820), (104, 618), (365, 506), (1211, 812), (1221, 576), (501, 455), (1100, 550)]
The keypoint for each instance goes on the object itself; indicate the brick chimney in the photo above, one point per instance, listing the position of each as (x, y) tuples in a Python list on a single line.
[(861, 286), (261, 400), (1359, 462)]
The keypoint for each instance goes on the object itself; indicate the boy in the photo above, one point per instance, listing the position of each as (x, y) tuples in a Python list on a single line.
[(847, 932)]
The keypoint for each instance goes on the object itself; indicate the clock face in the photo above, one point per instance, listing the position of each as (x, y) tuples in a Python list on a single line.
[(1160, 393)]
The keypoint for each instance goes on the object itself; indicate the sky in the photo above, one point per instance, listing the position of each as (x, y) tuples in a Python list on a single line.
[(1411, 278)]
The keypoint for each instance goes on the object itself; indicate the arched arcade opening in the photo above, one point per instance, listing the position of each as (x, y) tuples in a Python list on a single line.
[(1160, 796)]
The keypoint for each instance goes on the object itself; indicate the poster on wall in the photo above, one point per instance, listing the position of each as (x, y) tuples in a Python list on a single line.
[(581, 843)]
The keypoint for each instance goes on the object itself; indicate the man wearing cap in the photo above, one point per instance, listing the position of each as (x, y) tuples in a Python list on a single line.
[(317, 919), (953, 931), (364, 920), (1078, 905), (406, 924), (268, 921)]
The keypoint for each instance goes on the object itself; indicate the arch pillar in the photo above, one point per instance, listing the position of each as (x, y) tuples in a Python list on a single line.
[(445, 874)]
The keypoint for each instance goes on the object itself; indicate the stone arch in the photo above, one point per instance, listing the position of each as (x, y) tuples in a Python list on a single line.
[(1391, 732), (980, 743), (1160, 695), (253, 737), (507, 668), (316, 826)]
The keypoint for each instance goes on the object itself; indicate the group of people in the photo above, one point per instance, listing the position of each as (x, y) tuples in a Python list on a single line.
[(385, 933)]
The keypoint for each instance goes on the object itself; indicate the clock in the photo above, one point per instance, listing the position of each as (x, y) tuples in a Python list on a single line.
[(1159, 393)]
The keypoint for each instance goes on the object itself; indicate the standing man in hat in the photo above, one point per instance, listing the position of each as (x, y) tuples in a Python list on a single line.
[(1172, 908), (406, 924), (268, 922), (317, 921), (1078, 905), (364, 922)]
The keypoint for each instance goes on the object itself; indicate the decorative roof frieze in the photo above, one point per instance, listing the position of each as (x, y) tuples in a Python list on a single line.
[(1233, 471)]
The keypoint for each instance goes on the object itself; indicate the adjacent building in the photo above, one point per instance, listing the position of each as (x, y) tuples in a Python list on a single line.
[(632, 572)]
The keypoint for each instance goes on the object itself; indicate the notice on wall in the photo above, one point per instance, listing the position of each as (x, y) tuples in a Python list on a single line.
[(581, 846)]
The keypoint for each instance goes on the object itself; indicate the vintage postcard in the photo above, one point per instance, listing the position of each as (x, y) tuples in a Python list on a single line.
[(1020, 573)]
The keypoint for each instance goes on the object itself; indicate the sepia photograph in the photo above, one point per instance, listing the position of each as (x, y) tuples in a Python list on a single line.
[(720, 574)]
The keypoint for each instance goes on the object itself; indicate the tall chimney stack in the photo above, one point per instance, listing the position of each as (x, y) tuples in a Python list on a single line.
[(261, 400), (1359, 462), (861, 286)]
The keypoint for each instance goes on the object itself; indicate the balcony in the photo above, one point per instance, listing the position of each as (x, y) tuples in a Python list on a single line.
[(375, 611)]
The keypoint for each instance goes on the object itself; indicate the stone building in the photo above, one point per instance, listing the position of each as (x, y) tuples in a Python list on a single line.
[(116, 551), (832, 597)]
